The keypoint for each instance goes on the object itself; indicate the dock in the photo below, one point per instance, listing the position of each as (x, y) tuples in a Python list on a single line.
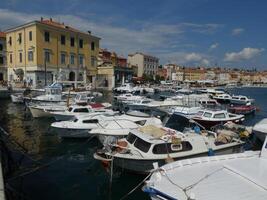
[(2, 191)]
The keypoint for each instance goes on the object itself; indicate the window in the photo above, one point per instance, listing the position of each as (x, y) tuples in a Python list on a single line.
[(1, 47), (10, 41), (30, 36), (70, 109), (93, 61), (63, 39), (30, 56), (131, 138), (10, 58), (171, 148), (81, 110), (92, 46), (1, 60), (219, 116), (63, 58), (72, 42), (142, 145), (20, 38), (47, 56), (91, 121), (47, 36), (141, 122), (20, 57), (81, 43), (72, 59), (81, 60), (207, 114)]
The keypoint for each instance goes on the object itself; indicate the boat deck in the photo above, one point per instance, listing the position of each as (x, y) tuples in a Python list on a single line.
[(229, 177)]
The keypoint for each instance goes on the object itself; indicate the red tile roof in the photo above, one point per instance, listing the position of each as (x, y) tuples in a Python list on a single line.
[(2, 34)]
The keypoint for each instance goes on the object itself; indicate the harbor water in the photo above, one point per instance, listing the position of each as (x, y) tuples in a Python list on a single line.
[(66, 169)]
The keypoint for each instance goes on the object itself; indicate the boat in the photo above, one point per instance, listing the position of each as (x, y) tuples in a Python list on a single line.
[(260, 129), (240, 99), (149, 144), (53, 94), (184, 110), (17, 98), (80, 126), (235, 176), (77, 110), (128, 97), (223, 98), (116, 129), (211, 117), (45, 110), (242, 109), (124, 88)]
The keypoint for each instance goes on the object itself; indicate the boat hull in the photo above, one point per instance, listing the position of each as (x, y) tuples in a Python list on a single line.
[(37, 112), (208, 124), (73, 133), (260, 135), (146, 166)]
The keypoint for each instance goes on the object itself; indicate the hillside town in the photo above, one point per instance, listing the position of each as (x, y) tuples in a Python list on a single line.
[(40, 52)]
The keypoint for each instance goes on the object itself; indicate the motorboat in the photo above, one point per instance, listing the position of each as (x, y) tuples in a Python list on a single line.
[(260, 129), (211, 91), (234, 176), (128, 97), (149, 144), (240, 99), (44, 110), (53, 94), (17, 98), (124, 88), (208, 103), (116, 129), (242, 109), (81, 125), (223, 98), (209, 117), (184, 110), (76, 110)]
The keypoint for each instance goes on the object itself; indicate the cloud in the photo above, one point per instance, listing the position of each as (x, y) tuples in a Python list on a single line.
[(244, 54), (186, 58), (237, 31), (213, 46), (202, 28)]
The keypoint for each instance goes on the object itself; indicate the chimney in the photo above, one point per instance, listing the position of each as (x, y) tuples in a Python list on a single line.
[(42, 19), (51, 20)]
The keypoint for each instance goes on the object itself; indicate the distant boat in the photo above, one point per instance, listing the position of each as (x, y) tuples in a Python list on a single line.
[(241, 100), (17, 98)]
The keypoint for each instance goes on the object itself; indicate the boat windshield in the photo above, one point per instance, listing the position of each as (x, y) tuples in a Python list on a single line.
[(131, 138), (142, 145), (178, 122)]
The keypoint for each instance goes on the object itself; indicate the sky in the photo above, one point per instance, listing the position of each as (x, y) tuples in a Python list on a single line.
[(227, 33)]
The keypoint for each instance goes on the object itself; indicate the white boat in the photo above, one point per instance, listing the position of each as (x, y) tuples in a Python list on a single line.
[(128, 97), (211, 91), (17, 98), (81, 125), (53, 94), (124, 88), (240, 99), (184, 110), (117, 129), (45, 110), (223, 98), (76, 110), (150, 144), (209, 118), (232, 177), (260, 129)]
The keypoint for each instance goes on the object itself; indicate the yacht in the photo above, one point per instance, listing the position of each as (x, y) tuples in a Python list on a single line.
[(240, 99), (149, 144), (53, 94), (44, 110), (128, 98), (223, 98), (260, 129), (209, 118), (17, 98), (80, 126), (124, 88), (235, 176), (76, 110)]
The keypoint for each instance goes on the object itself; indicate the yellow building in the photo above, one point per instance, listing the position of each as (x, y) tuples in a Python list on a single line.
[(48, 50), (3, 68)]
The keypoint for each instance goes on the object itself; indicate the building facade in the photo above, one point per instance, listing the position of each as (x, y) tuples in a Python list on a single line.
[(43, 51), (146, 64), (3, 64)]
